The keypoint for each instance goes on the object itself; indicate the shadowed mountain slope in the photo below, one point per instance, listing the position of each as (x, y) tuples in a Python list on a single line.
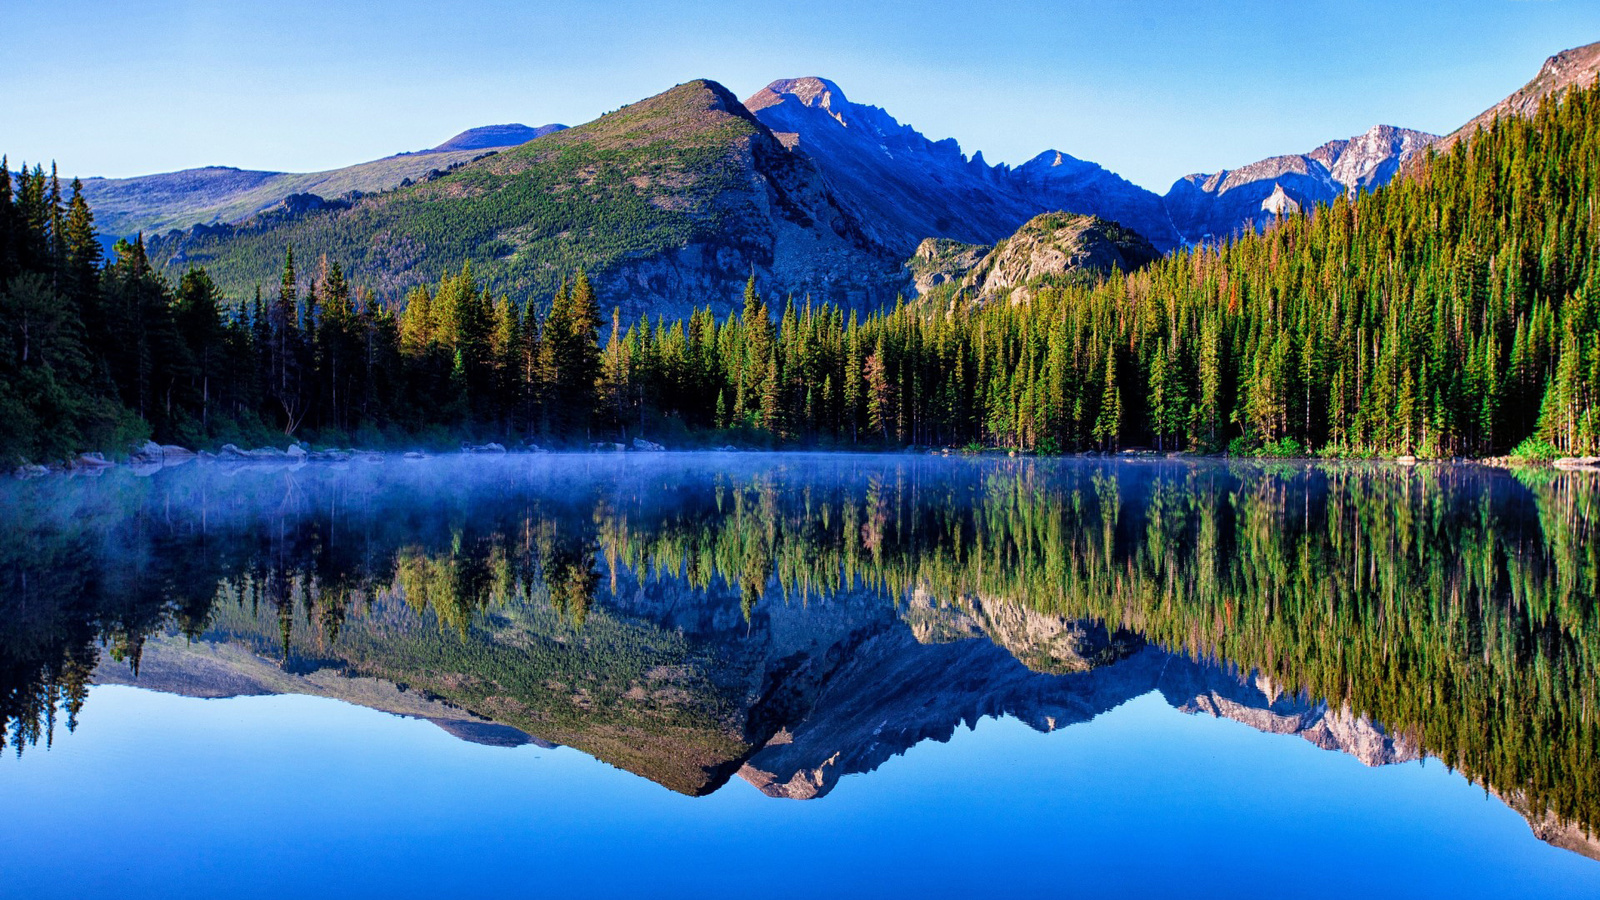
[(906, 187)]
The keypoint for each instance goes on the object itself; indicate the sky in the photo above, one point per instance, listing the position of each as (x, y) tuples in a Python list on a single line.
[(1152, 90)]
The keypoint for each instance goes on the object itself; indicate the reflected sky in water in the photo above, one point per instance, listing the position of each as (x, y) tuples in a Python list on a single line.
[(797, 676), (256, 796)]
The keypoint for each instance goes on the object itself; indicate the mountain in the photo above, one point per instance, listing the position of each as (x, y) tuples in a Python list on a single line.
[(669, 203), (906, 187), (495, 136), (1055, 248), (1218, 205), (1050, 249), (216, 194), (1577, 67)]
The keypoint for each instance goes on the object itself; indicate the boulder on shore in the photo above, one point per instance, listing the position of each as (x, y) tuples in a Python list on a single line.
[(91, 461), (1577, 462), (490, 447), (148, 454), (173, 455), (647, 446), (232, 453)]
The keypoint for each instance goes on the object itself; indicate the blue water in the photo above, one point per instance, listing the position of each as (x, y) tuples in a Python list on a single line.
[(295, 796)]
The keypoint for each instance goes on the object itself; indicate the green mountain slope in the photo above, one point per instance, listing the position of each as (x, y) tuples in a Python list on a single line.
[(670, 202)]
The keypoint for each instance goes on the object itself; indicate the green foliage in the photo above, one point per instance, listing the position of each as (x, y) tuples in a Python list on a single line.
[(1535, 449), (1284, 447)]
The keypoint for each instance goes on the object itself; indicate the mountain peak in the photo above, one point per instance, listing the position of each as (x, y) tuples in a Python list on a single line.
[(486, 137), (810, 91), (1055, 164)]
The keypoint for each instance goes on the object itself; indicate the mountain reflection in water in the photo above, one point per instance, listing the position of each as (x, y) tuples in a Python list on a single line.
[(790, 619)]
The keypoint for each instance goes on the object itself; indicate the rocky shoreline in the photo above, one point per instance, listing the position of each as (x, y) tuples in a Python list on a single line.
[(152, 457)]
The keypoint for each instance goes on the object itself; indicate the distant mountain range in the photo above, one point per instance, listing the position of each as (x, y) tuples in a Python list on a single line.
[(490, 137), (1213, 206), (811, 192), (216, 194)]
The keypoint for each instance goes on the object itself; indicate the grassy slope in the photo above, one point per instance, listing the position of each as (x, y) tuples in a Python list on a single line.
[(620, 689)]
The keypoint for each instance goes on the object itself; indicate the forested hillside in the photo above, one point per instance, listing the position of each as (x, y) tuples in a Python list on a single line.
[(1454, 312)]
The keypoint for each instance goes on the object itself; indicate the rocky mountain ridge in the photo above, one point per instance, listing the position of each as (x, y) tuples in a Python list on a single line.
[(1052, 249), (1215, 206), (1577, 67), (907, 187)]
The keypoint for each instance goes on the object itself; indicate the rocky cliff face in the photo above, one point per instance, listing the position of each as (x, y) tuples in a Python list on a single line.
[(940, 261), (1050, 249), (1057, 248), (907, 187), (1215, 206)]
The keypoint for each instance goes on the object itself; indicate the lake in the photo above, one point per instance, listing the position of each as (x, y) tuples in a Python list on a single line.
[(800, 675)]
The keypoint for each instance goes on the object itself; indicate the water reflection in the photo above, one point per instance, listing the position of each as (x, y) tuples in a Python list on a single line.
[(791, 619)]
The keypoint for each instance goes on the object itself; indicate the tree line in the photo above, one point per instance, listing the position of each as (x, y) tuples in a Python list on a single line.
[(1454, 312)]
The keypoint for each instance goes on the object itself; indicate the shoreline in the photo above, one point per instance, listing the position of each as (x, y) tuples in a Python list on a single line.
[(152, 457)]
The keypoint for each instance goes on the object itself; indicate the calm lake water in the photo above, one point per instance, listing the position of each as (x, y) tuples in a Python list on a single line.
[(788, 675)]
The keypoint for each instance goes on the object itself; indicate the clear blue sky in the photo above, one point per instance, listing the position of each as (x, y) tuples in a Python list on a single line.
[(1152, 90)]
